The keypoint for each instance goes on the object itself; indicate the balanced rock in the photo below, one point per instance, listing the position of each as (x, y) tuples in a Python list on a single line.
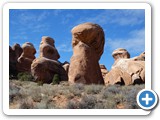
[(88, 44), (46, 66), (47, 48), (26, 58), (126, 72), (120, 53)]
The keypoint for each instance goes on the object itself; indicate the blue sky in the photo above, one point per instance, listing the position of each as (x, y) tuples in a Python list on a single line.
[(124, 28)]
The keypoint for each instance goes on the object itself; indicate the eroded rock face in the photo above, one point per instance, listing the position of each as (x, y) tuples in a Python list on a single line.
[(26, 58), (88, 44), (120, 53), (47, 48), (44, 69), (104, 71), (117, 76), (66, 66), (14, 54), (46, 66), (126, 72)]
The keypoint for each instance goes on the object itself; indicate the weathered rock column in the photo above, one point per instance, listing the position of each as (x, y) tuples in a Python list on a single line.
[(88, 44), (26, 58), (46, 66), (14, 54)]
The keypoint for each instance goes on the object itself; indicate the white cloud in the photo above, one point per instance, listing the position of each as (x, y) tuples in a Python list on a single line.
[(134, 44), (30, 21), (64, 48), (120, 17)]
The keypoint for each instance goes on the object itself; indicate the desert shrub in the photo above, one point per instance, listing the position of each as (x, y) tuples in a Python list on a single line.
[(25, 76), (78, 86), (48, 90), (26, 104), (88, 102), (131, 99), (113, 89), (109, 104), (76, 89), (72, 105), (119, 98), (56, 79), (93, 89), (13, 92), (40, 105)]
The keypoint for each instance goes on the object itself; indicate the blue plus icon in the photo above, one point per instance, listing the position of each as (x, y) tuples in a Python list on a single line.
[(147, 99)]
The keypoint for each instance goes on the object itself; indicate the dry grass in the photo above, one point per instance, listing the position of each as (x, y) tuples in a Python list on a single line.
[(29, 95)]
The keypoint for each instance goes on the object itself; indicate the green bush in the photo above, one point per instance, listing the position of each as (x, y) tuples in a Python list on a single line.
[(25, 76), (56, 79)]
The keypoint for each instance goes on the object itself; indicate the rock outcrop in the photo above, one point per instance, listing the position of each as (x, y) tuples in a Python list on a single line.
[(88, 44), (126, 72), (46, 66), (104, 70), (14, 54), (26, 58), (66, 66), (120, 53)]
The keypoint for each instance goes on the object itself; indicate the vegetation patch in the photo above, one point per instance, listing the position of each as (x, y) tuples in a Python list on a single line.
[(28, 95)]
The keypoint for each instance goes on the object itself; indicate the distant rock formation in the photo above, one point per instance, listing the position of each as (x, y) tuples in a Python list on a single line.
[(88, 44), (104, 70), (141, 57), (14, 54), (46, 66), (26, 58), (120, 53), (126, 71)]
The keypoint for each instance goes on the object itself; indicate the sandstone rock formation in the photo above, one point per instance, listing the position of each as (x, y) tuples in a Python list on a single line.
[(88, 44), (66, 66), (47, 49), (104, 71), (14, 53), (141, 57), (126, 72), (120, 53), (46, 66), (26, 58)]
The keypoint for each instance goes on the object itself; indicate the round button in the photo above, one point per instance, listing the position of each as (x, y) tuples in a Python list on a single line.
[(147, 99)]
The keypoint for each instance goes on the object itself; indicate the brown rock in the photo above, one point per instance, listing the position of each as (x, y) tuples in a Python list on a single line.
[(117, 76), (120, 53), (14, 53), (47, 48), (26, 58), (129, 71), (104, 71), (44, 69), (18, 50), (88, 44), (46, 66), (66, 67)]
